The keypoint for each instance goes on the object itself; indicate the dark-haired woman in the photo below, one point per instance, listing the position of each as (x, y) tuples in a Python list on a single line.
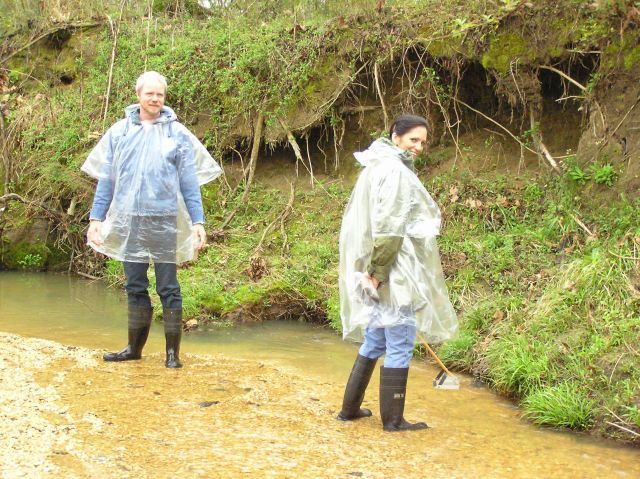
[(391, 282)]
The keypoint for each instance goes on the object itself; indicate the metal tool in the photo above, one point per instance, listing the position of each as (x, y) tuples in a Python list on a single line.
[(444, 379)]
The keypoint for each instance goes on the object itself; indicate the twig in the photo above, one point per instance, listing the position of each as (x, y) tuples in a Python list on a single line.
[(632, 258), (293, 143), (15, 197), (497, 124), (88, 276), (542, 149), (582, 225), (281, 217), (255, 149), (633, 433), (618, 127), (376, 78), (615, 366), (113, 59), (563, 75), (309, 159)]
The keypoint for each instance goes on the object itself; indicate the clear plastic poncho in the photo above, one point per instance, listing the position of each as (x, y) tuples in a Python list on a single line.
[(389, 200), (149, 166)]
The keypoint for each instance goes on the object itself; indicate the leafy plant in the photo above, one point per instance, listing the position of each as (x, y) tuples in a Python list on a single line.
[(578, 175), (30, 260), (603, 174)]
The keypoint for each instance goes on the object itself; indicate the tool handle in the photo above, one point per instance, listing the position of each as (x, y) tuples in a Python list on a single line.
[(424, 343)]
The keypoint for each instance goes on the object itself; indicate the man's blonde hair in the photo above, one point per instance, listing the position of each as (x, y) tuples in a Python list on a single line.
[(150, 76)]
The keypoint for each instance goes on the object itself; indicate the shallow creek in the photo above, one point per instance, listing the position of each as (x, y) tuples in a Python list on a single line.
[(256, 400)]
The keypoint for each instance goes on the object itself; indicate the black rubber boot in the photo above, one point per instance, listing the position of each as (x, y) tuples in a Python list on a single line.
[(356, 386), (139, 325), (393, 387), (173, 334)]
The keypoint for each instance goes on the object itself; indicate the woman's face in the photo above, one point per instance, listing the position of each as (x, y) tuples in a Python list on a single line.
[(412, 141)]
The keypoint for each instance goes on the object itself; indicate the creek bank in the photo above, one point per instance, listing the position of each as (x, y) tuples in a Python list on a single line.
[(78, 417)]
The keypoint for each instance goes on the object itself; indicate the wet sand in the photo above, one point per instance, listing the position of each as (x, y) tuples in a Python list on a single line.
[(67, 414)]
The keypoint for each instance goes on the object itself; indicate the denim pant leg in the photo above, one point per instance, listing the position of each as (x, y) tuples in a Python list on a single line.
[(374, 343), (137, 284), (399, 341), (167, 285)]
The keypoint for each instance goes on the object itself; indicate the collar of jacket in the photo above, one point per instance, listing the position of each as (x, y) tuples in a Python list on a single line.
[(167, 115), (405, 156)]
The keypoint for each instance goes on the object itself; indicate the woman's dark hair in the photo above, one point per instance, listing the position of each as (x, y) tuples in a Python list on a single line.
[(405, 123)]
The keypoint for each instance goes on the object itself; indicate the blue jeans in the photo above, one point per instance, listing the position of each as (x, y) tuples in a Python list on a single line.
[(137, 284), (395, 342)]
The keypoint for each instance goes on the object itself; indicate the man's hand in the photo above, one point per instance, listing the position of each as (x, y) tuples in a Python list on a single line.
[(94, 235), (374, 281), (200, 236)]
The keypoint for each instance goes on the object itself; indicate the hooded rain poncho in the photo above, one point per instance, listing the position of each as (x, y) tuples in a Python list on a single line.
[(389, 200), (146, 169)]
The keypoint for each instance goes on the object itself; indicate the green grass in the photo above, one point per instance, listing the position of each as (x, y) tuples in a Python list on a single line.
[(563, 405)]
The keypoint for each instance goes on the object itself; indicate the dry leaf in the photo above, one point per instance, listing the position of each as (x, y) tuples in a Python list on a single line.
[(503, 201)]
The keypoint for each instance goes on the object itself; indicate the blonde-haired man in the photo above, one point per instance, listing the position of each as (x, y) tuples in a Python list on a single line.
[(148, 208)]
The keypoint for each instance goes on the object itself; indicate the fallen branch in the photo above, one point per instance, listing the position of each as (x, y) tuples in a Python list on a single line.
[(309, 160), (543, 152), (625, 429), (296, 149), (4, 200), (88, 276), (564, 75), (610, 135), (582, 225), (497, 124)]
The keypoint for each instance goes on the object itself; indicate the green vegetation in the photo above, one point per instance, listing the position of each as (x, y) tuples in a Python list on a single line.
[(551, 314), (542, 270)]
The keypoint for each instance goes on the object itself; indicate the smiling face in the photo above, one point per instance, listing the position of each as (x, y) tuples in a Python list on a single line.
[(412, 141), (151, 98)]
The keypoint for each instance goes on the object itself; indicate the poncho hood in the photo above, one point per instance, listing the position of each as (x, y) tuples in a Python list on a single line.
[(383, 149), (167, 115)]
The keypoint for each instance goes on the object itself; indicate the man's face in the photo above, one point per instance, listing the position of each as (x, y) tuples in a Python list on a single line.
[(151, 98)]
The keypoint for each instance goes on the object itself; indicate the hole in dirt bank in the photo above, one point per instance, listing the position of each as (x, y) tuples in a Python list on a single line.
[(578, 67), (66, 79), (278, 164), (563, 119), (58, 38)]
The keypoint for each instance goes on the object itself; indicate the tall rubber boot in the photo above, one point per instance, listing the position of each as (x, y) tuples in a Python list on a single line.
[(356, 386), (393, 387), (139, 325), (173, 334)]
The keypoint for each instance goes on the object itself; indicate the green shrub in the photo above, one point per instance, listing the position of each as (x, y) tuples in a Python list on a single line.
[(564, 405)]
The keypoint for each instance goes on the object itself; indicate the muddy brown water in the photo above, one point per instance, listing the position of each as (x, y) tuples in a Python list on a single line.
[(257, 400)]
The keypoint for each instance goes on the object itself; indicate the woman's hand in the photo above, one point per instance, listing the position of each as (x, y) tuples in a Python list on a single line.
[(200, 236), (373, 280)]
